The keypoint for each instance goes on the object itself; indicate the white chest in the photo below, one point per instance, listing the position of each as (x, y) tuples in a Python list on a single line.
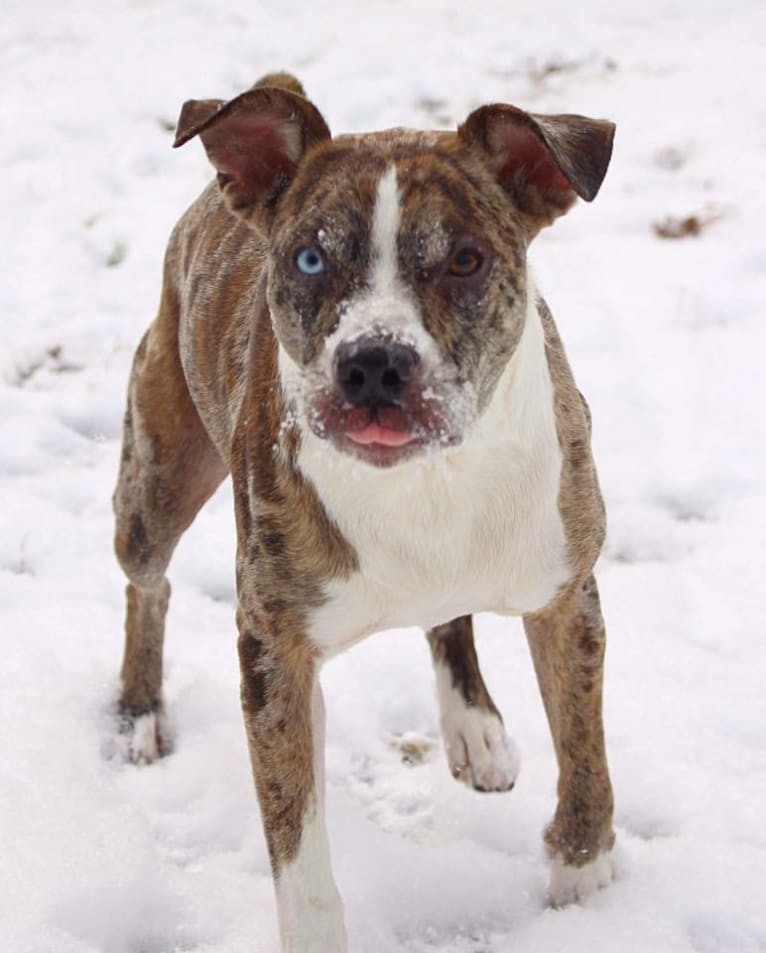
[(473, 528)]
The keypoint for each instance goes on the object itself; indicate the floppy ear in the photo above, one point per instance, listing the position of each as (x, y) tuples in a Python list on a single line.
[(545, 162), (255, 143)]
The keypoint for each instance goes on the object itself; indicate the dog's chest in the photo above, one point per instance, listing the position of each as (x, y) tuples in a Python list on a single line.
[(443, 555)]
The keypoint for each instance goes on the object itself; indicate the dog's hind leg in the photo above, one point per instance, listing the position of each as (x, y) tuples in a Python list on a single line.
[(168, 469), (478, 750), (567, 643)]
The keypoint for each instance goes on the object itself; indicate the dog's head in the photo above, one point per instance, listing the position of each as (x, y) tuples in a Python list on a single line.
[(396, 260)]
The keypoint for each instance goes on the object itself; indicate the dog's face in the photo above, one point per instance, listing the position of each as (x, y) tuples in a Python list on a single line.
[(396, 286), (396, 260)]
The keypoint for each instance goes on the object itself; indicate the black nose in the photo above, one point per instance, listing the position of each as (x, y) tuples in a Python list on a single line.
[(373, 371)]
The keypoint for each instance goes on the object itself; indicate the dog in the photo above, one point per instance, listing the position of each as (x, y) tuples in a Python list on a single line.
[(350, 328)]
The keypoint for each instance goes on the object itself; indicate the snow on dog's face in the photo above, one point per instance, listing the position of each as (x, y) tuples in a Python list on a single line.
[(396, 276)]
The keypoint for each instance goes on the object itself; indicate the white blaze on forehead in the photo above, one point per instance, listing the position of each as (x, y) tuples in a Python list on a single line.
[(386, 219), (385, 305)]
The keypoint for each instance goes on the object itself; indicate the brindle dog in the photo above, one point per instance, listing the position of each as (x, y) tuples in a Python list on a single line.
[(349, 327)]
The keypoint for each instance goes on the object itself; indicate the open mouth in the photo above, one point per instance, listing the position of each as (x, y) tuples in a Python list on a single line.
[(374, 433), (381, 435), (383, 426)]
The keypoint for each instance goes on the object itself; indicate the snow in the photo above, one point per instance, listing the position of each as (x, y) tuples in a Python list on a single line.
[(667, 341)]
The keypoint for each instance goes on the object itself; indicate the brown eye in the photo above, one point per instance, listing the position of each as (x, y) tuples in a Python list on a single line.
[(465, 262)]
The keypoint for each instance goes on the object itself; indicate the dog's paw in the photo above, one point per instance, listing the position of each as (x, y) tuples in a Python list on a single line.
[(144, 738), (479, 752), (569, 884)]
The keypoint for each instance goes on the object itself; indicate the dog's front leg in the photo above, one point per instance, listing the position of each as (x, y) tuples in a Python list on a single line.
[(567, 642), (479, 752), (284, 720)]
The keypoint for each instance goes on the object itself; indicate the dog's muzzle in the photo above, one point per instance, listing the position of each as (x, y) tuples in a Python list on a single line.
[(381, 405)]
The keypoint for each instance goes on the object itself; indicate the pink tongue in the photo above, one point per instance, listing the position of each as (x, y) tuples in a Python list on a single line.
[(374, 433)]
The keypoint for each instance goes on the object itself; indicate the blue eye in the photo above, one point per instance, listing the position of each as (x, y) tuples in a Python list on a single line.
[(309, 261)]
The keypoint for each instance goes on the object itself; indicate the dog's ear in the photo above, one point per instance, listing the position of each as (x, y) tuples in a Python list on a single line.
[(255, 143), (545, 162)]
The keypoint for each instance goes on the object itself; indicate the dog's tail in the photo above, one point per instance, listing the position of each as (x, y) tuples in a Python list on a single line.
[(282, 80)]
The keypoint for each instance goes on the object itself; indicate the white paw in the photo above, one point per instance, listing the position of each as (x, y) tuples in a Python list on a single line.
[(479, 752), (145, 737), (310, 908), (570, 884)]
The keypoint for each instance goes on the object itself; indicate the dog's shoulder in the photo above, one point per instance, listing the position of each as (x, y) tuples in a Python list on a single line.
[(580, 501), (213, 286), (209, 239)]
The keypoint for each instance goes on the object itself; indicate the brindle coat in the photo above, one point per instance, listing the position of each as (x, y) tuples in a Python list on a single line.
[(205, 399)]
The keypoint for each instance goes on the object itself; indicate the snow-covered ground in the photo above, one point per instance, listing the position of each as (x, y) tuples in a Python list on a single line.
[(667, 339)]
